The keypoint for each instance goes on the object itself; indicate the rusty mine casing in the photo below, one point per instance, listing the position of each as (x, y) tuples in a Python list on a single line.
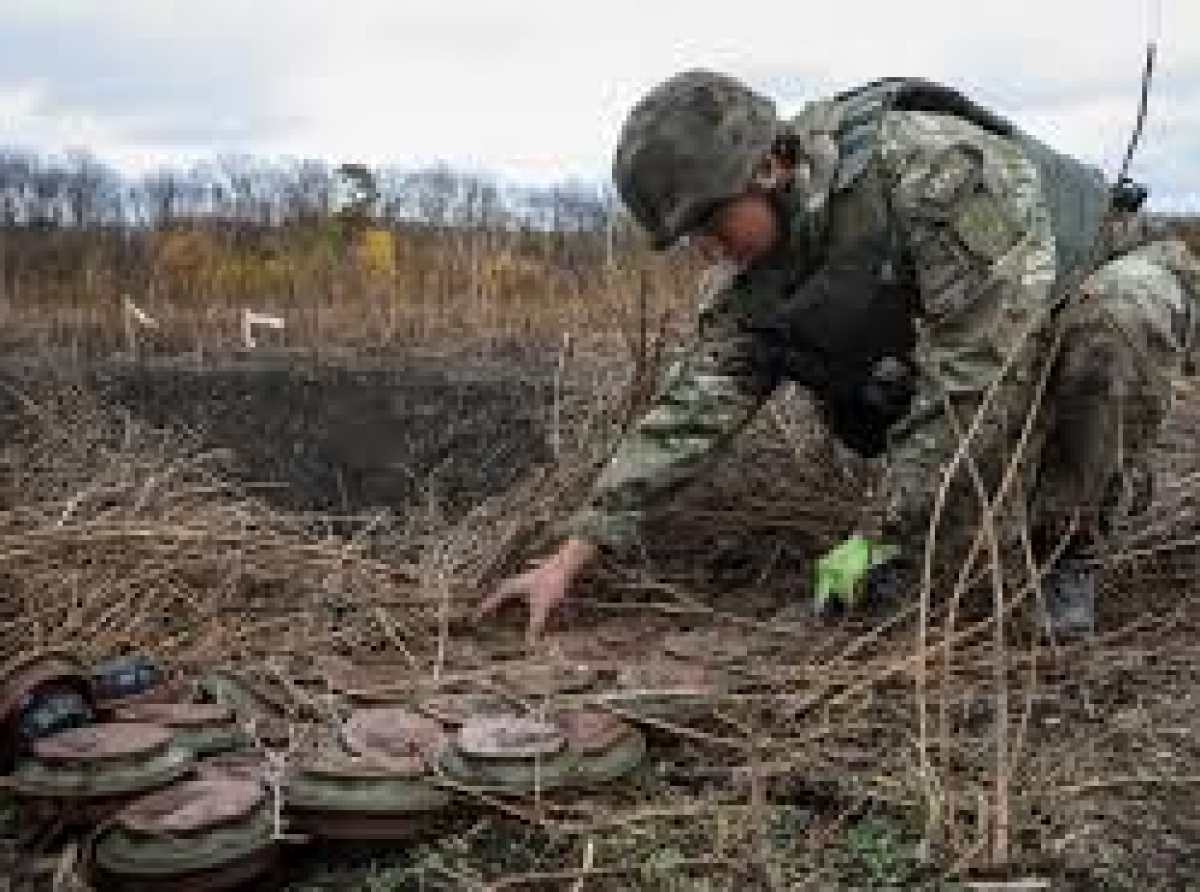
[(84, 775), (667, 690), (242, 765), (523, 755), (41, 694), (378, 784), (204, 835), (126, 682), (203, 728), (122, 681)]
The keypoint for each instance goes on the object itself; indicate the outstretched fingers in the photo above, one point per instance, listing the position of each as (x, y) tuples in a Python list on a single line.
[(505, 592), (542, 588)]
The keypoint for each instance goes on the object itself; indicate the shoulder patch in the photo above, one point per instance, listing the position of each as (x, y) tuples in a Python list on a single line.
[(985, 225), (954, 173)]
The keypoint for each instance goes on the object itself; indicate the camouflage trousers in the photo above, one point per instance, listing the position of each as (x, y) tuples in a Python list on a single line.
[(1085, 406), (1125, 337)]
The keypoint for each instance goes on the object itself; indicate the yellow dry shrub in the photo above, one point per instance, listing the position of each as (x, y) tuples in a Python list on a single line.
[(248, 275), (506, 272), (375, 253), (185, 256), (191, 261)]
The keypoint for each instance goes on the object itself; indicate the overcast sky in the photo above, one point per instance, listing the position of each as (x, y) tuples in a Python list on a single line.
[(536, 89)]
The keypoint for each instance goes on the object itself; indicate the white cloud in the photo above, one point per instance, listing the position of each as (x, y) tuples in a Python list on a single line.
[(22, 108), (538, 88)]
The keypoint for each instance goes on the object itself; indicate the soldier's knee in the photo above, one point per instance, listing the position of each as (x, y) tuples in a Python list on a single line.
[(1094, 367), (1151, 294)]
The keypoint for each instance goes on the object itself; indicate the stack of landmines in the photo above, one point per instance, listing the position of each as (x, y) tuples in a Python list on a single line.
[(196, 782)]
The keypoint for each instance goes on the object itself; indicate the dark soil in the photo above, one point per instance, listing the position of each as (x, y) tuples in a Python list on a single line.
[(400, 433)]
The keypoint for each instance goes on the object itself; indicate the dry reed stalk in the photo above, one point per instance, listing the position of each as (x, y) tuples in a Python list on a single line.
[(121, 537)]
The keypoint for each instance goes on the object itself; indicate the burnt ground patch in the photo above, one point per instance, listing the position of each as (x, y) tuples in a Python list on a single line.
[(330, 437)]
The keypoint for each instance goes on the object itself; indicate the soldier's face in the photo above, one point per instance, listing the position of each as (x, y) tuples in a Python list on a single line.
[(742, 230)]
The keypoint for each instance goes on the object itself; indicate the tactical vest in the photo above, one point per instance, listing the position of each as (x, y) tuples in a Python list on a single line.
[(854, 310), (1076, 194)]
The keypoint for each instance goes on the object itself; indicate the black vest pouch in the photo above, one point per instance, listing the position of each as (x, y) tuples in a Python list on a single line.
[(847, 334), (846, 329)]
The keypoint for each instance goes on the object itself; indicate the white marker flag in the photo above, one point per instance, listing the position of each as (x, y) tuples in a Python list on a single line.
[(136, 312), (131, 319), (250, 319)]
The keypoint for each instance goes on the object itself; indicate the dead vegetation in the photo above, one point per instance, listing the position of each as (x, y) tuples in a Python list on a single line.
[(926, 745), (817, 772)]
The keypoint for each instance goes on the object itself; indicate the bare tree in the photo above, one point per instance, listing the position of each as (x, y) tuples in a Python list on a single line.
[(163, 191), (89, 186)]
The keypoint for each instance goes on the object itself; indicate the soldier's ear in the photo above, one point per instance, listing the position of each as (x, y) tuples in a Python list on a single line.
[(786, 148)]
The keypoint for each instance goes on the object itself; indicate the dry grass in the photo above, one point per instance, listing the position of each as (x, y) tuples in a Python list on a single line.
[(117, 537), (64, 296), (1001, 753)]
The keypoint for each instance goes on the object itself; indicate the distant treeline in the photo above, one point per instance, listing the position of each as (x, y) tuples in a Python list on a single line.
[(353, 256), (242, 224), (392, 254), (77, 190)]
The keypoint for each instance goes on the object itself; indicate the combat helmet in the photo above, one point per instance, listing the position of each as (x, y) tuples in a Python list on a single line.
[(691, 143)]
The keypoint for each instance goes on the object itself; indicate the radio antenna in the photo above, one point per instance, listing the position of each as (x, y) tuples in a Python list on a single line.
[(1143, 103)]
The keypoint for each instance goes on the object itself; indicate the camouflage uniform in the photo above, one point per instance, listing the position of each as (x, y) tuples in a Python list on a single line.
[(978, 288)]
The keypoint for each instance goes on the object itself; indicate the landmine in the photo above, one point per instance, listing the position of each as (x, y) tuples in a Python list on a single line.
[(378, 786), (86, 774), (609, 645), (546, 680), (123, 681), (524, 755), (453, 708), (367, 684), (667, 690), (169, 692), (203, 728), (232, 690), (243, 765), (389, 684), (41, 694), (605, 746), (206, 835)]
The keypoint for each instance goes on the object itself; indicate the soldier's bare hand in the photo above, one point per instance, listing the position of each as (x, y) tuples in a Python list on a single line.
[(544, 587)]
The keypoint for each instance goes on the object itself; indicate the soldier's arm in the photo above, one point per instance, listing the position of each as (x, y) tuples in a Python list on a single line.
[(704, 400), (971, 207)]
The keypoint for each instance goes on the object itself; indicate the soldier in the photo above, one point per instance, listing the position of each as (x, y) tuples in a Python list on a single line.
[(935, 277)]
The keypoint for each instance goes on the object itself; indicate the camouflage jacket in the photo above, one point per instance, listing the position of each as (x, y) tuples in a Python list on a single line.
[(973, 265)]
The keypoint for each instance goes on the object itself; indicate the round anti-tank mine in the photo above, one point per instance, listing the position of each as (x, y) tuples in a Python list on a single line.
[(129, 680), (245, 765), (546, 680), (453, 709), (85, 774), (605, 746), (522, 755), (378, 784), (203, 728), (40, 695), (667, 690), (205, 835)]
